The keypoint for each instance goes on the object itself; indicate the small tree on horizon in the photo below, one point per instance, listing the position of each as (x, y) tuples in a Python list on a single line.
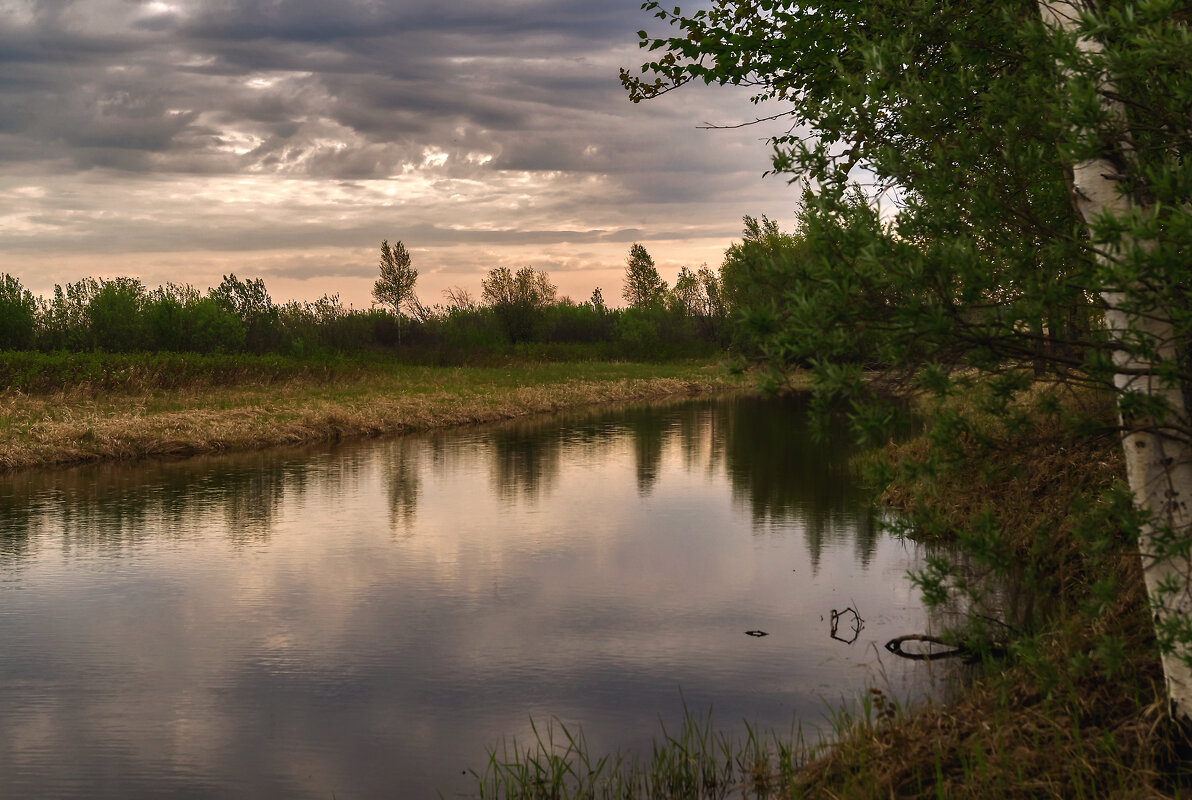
[(644, 287), (395, 287), (459, 298)]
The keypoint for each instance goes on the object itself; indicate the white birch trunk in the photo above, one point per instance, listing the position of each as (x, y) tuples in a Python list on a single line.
[(1158, 459)]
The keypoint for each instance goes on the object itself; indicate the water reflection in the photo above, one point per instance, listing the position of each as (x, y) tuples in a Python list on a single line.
[(649, 435), (523, 464), (400, 462), (365, 619), (775, 470)]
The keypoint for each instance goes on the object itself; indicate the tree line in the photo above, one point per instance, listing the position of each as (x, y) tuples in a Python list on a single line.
[(515, 308)]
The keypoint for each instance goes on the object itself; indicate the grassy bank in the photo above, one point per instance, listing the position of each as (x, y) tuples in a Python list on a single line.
[(1073, 708), (78, 410), (1077, 709)]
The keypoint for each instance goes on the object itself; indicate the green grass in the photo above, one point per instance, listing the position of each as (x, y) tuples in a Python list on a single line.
[(102, 373)]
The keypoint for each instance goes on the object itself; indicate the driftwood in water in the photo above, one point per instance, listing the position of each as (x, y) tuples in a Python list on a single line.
[(856, 625), (895, 647)]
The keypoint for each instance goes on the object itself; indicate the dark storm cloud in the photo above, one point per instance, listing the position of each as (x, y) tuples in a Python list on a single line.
[(85, 77), (319, 89)]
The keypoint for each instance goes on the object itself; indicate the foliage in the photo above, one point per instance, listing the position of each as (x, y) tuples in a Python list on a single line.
[(685, 297), (757, 273), (715, 299), (114, 314), (521, 312), (519, 300), (18, 310), (64, 324), (597, 300), (644, 287), (583, 322), (395, 287), (975, 257), (937, 146), (964, 249), (105, 373), (459, 298), (527, 287), (249, 300)]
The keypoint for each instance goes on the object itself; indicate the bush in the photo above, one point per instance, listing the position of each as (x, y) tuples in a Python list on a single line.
[(114, 316), (209, 328), (250, 301), (18, 314), (580, 323), (637, 332)]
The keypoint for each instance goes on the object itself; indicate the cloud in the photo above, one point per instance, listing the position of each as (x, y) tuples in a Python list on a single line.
[(277, 125)]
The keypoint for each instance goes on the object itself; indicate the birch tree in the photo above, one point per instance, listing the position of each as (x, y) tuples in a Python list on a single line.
[(1107, 192), (395, 286)]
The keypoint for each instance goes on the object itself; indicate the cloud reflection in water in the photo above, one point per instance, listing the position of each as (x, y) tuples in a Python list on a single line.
[(367, 618)]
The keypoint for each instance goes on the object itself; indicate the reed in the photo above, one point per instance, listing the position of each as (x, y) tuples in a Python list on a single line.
[(1001, 739), (692, 763)]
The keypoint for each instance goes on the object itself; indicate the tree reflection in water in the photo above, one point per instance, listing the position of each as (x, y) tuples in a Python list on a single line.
[(525, 459), (400, 462), (764, 445), (450, 583)]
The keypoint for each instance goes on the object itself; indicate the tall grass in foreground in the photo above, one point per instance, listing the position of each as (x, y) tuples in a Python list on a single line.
[(694, 763), (698, 763), (998, 741)]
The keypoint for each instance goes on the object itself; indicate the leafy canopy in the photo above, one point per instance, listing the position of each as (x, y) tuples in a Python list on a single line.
[(938, 146), (644, 287), (934, 144)]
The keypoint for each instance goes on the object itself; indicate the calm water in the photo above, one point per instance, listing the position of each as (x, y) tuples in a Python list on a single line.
[(366, 620)]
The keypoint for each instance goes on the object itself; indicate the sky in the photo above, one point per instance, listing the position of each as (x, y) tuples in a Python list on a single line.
[(181, 140)]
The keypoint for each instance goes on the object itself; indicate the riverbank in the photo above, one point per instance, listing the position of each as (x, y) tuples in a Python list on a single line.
[(1075, 707), (125, 410)]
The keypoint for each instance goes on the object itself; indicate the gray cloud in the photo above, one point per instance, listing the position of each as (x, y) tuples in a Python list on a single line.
[(531, 83), (221, 125)]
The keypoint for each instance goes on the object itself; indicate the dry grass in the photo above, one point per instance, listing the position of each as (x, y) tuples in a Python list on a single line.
[(76, 427), (1011, 735)]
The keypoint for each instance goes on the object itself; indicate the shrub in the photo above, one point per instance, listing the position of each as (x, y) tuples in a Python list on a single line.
[(18, 314), (114, 316)]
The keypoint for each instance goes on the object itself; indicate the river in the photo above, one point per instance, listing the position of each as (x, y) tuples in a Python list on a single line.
[(366, 619)]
